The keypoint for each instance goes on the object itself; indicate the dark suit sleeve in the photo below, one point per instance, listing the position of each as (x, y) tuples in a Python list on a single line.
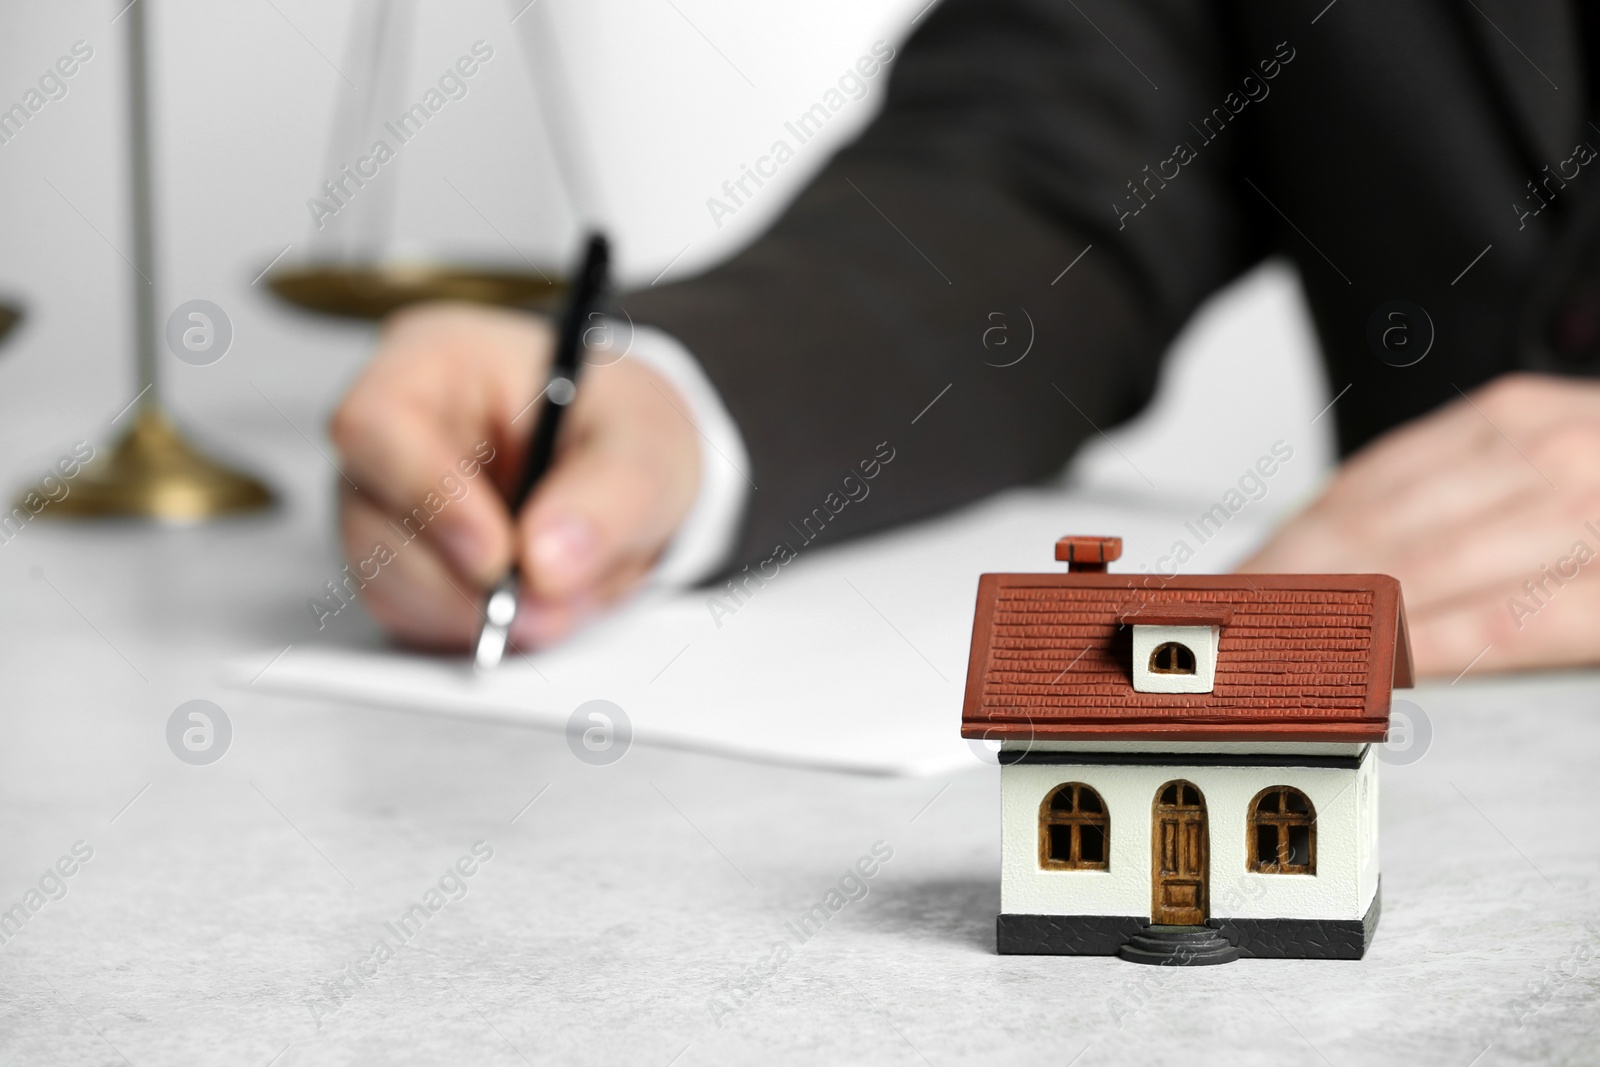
[(1011, 132)]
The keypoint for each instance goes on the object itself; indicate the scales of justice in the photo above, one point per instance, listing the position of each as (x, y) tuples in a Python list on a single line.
[(352, 270)]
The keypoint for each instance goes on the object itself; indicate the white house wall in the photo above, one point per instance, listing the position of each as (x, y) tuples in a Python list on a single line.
[(1347, 853), (1366, 827)]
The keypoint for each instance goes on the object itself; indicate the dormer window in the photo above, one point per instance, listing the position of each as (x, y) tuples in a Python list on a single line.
[(1170, 657), (1174, 645)]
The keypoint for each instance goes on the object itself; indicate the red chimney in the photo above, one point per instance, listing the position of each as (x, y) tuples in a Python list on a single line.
[(1088, 555)]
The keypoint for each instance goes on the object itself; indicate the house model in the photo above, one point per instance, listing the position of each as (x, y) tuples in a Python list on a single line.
[(1188, 772)]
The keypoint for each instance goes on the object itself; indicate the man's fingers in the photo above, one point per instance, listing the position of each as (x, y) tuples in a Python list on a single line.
[(1462, 492), (411, 591), (623, 480), (434, 434), (406, 585), (1446, 642), (1487, 512), (1490, 549), (1497, 629), (1527, 534), (600, 508), (1512, 413), (429, 486), (541, 623), (1470, 492), (429, 430), (1407, 455)]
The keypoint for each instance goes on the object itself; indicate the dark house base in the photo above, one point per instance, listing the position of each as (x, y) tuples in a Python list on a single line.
[(1275, 939)]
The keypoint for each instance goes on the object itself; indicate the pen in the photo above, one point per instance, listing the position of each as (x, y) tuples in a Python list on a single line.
[(560, 391)]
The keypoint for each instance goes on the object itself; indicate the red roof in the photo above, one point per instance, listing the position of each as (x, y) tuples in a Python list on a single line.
[(1301, 657)]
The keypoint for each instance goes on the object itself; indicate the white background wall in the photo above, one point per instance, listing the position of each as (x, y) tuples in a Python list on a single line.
[(677, 95)]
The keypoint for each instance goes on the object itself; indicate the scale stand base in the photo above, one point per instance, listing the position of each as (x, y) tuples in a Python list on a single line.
[(154, 473)]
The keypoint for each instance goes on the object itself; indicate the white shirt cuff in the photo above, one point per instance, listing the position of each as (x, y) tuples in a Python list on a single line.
[(710, 531)]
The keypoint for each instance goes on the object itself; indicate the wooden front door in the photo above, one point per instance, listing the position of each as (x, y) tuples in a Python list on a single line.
[(1179, 861)]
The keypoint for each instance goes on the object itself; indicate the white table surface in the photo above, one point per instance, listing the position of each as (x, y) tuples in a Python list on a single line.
[(221, 899)]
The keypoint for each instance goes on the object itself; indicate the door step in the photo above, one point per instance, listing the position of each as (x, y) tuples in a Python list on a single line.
[(1178, 946)]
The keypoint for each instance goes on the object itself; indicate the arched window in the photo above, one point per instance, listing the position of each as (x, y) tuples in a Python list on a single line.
[(1179, 795), (1172, 658), (1074, 830), (1283, 832)]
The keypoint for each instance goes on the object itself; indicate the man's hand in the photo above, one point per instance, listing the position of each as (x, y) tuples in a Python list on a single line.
[(1480, 509), (452, 384)]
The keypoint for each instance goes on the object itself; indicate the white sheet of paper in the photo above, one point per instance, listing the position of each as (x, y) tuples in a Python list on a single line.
[(852, 658)]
